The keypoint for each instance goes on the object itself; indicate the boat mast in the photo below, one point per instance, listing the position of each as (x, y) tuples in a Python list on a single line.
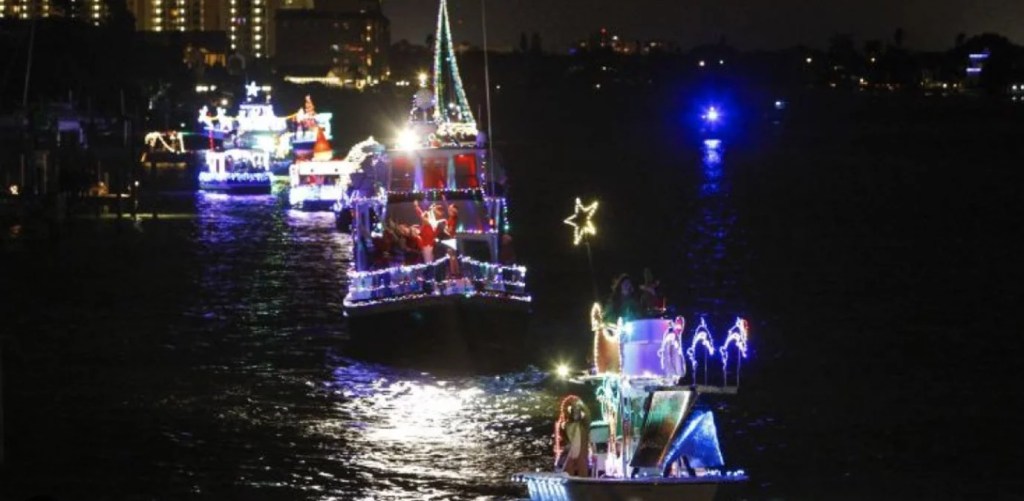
[(487, 94)]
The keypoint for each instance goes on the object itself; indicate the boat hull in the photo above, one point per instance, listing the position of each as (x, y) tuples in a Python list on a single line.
[(456, 333), (315, 205), (552, 486)]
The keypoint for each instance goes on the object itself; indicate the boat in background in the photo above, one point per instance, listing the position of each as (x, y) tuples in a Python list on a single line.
[(654, 436), (320, 182), (433, 264), (307, 128), (236, 171), (242, 149), (169, 162)]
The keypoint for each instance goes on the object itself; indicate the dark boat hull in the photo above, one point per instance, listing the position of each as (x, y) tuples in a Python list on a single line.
[(453, 333), (316, 205)]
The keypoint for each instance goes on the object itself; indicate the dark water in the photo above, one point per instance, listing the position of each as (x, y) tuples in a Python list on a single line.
[(871, 244)]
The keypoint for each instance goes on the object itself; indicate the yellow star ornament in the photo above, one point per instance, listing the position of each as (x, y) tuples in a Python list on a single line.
[(581, 221)]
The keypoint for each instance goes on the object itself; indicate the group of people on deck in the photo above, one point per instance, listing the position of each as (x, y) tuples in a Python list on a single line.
[(627, 303), (630, 303), (418, 243)]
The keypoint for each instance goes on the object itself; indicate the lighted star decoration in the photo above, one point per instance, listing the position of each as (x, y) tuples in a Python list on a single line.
[(582, 221), (252, 90)]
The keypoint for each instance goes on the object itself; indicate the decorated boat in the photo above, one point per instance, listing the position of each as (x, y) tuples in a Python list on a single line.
[(320, 182), (308, 128), (237, 171), (433, 263), (242, 149), (654, 434)]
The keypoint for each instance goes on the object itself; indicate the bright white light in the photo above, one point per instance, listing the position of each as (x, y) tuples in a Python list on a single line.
[(422, 77), (265, 143), (562, 371), (712, 144), (712, 115), (408, 140), (701, 63), (809, 60)]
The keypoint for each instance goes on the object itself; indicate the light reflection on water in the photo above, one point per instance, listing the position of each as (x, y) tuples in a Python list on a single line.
[(270, 348), (714, 248)]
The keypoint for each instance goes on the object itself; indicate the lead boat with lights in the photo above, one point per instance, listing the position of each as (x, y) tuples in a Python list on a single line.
[(434, 277), (656, 436)]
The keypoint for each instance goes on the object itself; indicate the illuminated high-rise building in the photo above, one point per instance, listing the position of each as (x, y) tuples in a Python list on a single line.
[(90, 11), (175, 15), (348, 39), (248, 27), (247, 23), (25, 9)]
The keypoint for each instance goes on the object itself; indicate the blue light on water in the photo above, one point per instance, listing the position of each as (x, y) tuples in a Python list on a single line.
[(712, 144)]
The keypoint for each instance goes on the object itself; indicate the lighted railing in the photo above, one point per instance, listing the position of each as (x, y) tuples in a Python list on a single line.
[(315, 193), (467, 277), (234, 177)]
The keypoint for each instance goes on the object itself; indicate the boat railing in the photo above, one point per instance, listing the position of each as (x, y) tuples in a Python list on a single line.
[(235, 177), (447, 276)]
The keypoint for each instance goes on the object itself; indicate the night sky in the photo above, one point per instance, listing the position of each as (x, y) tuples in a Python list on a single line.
[(746, 24)]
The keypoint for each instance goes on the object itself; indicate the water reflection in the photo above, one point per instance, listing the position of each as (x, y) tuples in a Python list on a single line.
[(270, 392), (438, 438), (713, 247)]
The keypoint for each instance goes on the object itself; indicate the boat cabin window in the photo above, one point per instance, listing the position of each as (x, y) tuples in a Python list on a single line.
[(403, 175), (465, 171), (435, 173), (318, 180)]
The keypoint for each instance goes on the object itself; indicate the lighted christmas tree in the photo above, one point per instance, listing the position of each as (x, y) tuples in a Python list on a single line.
[(450, 100)]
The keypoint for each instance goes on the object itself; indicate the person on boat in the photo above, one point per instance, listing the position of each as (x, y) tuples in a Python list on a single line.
[(411, 237), (577, 432), (622, 303), (671, 351), (428, 228), (651, 301), (446, 234)]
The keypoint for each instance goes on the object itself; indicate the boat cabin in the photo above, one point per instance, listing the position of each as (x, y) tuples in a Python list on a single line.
[(431, 228)]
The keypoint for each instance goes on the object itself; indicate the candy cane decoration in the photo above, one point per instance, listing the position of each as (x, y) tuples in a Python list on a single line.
[(738, 336), (700, 336)]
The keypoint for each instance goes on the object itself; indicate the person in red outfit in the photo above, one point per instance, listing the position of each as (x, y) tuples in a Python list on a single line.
[(428, 236)]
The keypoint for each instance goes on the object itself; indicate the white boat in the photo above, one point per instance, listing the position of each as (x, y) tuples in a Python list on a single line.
[(433, 263), (236, 171), (322, 182), (242, 149), (653, 437)]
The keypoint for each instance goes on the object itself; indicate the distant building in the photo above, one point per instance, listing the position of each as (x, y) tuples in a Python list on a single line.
[(89, 11), (247, 23), (333, 44), (176, 15)]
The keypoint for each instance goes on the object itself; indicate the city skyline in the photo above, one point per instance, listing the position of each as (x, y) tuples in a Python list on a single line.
[(746, 24)]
